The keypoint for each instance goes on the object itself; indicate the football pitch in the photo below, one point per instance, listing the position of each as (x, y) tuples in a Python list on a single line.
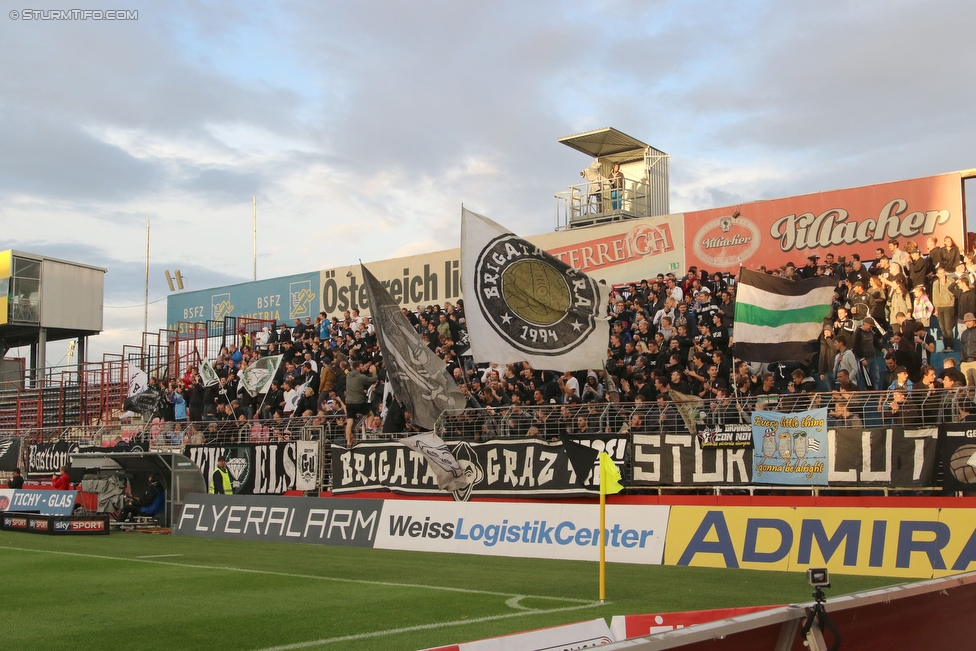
[(142, 591)]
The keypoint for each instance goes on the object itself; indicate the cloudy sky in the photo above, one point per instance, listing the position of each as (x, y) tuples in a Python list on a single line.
[(361, 127)]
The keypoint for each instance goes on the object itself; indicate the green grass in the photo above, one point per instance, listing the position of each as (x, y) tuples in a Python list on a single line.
[(93, 593)]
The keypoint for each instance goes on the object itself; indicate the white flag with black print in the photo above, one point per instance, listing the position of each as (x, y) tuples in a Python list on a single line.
[(523, 304), (451, 476), (138, 380), (257, 377), (207, 373)]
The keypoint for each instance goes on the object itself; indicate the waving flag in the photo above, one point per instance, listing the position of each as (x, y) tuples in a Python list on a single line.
[(419, 377), (257, 377), (526, 305), (778, 320), (207, 373)]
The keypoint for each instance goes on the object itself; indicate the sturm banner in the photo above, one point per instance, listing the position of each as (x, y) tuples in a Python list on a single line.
[(255, 468), (517, 467), (892, 456)]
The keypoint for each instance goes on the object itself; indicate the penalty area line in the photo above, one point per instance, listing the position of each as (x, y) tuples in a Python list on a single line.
[(424, 627), (584, 603)]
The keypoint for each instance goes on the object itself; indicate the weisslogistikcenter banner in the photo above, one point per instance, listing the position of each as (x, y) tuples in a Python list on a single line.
[(634, 534)]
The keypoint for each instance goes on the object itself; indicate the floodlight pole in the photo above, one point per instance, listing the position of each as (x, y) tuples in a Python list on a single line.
[(145, 316), (254, 205)]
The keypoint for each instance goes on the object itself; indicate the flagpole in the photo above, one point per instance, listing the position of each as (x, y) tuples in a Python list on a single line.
[(603, 538)]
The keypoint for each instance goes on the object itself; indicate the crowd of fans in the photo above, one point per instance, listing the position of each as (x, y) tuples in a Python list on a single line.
[(670, 339)]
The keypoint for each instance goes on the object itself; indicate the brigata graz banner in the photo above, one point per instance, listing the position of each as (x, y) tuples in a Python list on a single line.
[(255, 468), (516, 467), (881, 456)]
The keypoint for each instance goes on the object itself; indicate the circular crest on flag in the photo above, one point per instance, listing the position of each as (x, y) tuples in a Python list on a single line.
[(537, 304)]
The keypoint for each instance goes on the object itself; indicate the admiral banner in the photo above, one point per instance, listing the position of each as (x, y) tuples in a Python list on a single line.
[(892, 456), (325, 521), (45, 459), (790, 448), (518, 467), (958, 442), (255, 468), (634, 533), (905, 542)]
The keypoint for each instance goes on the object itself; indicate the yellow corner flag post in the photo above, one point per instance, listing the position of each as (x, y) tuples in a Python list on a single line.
[(609, 484)]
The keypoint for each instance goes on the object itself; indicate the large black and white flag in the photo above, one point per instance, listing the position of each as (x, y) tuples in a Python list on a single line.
[(419, 377), (526, 305)]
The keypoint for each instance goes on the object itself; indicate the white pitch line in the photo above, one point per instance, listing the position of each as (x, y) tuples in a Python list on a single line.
[(423, 627), (586, 603), (160, 556)]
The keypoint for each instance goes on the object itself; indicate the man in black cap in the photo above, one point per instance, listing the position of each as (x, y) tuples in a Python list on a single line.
[(220, 480)]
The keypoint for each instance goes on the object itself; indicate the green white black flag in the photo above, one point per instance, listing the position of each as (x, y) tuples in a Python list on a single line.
[(778, 320)]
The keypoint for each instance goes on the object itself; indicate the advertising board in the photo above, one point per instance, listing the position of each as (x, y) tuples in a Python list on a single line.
[(853, 220), (635, 534), (49, 502), (919, 543), (283, 299), (324, 521)]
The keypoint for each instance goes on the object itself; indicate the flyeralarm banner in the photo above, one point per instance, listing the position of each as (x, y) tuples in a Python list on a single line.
[(854, 220)]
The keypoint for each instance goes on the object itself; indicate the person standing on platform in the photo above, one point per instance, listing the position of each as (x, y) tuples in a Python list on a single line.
[(616, 186)]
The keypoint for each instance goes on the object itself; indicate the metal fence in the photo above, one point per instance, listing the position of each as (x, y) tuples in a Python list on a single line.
[(915, 409)]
